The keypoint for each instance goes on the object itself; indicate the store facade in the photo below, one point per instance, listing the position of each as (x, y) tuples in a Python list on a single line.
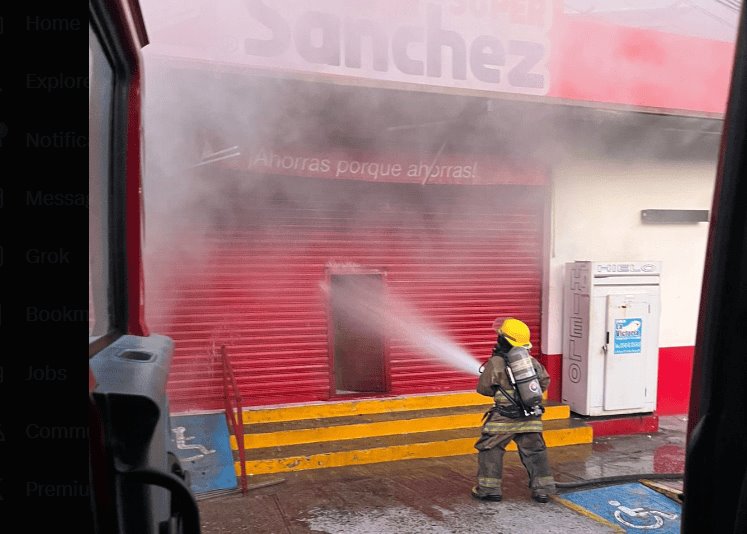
[(410, 152)]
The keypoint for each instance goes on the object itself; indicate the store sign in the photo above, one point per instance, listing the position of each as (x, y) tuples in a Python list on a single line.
[(628, 336), (495, 45), (544, 48), (481, 169), (627, 268)]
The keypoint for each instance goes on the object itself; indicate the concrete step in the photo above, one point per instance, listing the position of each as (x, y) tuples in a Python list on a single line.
[(345, 408), (387, 448), (333, 434), (327, 429)]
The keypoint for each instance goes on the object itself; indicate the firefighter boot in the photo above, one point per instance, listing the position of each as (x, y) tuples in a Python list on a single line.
[(485, 497)]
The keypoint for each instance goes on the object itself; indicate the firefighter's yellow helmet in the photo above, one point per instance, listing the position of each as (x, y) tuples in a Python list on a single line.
[(515, 332)]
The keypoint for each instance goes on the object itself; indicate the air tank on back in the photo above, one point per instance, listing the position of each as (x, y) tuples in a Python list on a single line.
[(525, 378)]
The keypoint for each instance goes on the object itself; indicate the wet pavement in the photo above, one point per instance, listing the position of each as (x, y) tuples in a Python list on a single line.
[(432, 495)]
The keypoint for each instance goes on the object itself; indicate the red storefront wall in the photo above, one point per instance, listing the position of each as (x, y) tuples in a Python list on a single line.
[(460, 255)]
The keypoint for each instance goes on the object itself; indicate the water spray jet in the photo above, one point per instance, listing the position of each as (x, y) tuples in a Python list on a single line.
[(389, 315)]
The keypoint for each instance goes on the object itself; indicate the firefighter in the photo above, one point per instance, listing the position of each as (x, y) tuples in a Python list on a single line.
[(505, 421)]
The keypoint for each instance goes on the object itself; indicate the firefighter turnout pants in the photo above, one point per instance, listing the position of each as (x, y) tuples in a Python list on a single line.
[(533, 454)]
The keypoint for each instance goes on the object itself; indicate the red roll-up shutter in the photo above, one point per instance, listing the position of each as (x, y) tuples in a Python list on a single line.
[(461, 255)]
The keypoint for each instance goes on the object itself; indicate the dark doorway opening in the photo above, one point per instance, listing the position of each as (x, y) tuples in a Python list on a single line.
[(356, 321)]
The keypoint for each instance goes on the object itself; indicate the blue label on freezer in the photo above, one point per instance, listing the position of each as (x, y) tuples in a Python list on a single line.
[(628, 335)]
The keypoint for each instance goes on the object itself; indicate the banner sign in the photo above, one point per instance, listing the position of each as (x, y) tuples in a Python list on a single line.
[(465, 169), (499, 45), (526, 47)]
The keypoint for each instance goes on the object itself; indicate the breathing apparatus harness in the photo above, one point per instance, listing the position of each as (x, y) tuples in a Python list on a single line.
[(517, 363)]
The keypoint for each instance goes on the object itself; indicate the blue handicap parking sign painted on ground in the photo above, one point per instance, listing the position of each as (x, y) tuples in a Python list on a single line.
[(633, 507), (202, 445)]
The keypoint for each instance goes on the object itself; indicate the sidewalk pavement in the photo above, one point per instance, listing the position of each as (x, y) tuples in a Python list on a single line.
[(433, 495)]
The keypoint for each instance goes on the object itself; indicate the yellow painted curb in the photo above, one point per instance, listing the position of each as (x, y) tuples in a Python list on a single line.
[(587, 513), (454, 447), (665, 490), (364, 407), (564, 436), (413, 451), (375, 429)]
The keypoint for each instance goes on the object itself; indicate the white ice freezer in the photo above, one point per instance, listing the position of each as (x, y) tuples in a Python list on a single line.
[(611, 337)]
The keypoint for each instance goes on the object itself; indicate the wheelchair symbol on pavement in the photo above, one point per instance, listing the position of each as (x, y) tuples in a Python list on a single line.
[(181, 444), (641, 518)]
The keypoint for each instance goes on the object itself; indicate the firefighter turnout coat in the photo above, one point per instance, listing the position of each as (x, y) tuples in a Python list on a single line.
[(494, 374)]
